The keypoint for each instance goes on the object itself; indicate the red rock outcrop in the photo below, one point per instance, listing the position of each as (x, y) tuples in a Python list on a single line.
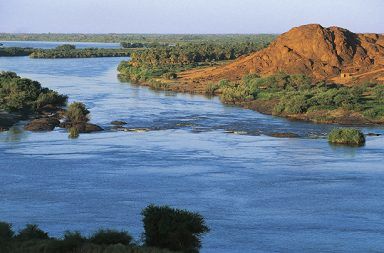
[(332, 53)]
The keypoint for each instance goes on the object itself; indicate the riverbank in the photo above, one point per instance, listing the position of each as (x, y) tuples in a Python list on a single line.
[(268, 103)]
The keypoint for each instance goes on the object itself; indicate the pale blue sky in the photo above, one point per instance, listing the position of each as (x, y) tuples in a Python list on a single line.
[(187, 16)]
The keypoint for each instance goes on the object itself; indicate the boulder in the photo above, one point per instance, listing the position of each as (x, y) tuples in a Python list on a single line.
[(87, 127), (42, 124)]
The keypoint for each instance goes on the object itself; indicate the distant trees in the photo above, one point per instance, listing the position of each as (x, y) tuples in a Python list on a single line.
[(68, 51), (166, 61), (15, 51), (66, 47)]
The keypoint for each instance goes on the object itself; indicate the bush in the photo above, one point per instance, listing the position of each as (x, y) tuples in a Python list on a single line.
[(211, 89), (70, 242), (50, 98), (346, 136), (77, 113), (109, 237), (173, 229), (170, 75), (6, 232), (32, 232)]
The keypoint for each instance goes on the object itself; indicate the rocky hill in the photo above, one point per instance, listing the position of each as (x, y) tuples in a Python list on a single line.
[(333, 54)]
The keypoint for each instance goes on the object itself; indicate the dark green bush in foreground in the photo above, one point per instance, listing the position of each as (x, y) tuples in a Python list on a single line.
[(173, 229), (165, 229), (346, 136)]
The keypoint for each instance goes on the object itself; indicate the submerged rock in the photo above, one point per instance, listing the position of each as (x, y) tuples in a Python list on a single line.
[(284, 135), (126, 129), (118, 123), (82, 127), (87, 128), (373, 134), (42, 124)]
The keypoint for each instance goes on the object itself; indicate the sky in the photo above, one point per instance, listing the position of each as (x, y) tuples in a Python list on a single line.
[(186, 16)]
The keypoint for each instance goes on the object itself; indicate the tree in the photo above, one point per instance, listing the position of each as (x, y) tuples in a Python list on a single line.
[(173, 229), (6, 232), (32, 232), (66, 47)]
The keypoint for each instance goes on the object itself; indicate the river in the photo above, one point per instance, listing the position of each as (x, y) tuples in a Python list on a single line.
[(258, 193)]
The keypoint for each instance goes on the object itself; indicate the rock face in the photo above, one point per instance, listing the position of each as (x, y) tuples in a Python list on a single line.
[(42, 124), (332, 53)]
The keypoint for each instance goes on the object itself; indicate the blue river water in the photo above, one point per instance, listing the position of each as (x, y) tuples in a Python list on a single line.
[(258, 193)]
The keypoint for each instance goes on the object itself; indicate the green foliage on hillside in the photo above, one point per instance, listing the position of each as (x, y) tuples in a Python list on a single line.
[(296, 94), (24, 95)]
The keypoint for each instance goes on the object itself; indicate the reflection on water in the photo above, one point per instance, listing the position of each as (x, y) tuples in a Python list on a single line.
[(258, 193), (14, 134)]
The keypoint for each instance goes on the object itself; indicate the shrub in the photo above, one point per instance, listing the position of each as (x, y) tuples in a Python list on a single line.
[(77, 113), (31, 232), (51, 98), (346, 136), (170, 75), (173, 229), (211, 89), (374, 113), (71, 242), (73, 133), (6, 232), (109, 237)]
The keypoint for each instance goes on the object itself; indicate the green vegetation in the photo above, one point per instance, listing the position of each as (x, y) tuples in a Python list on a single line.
[(70, 51), (73, 133), (166, 61), (165, 228), (173, 229), (136, 38), (77, 113), (26, 96), (65, 47), (297, 95), (15, 51), (346, 136)]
